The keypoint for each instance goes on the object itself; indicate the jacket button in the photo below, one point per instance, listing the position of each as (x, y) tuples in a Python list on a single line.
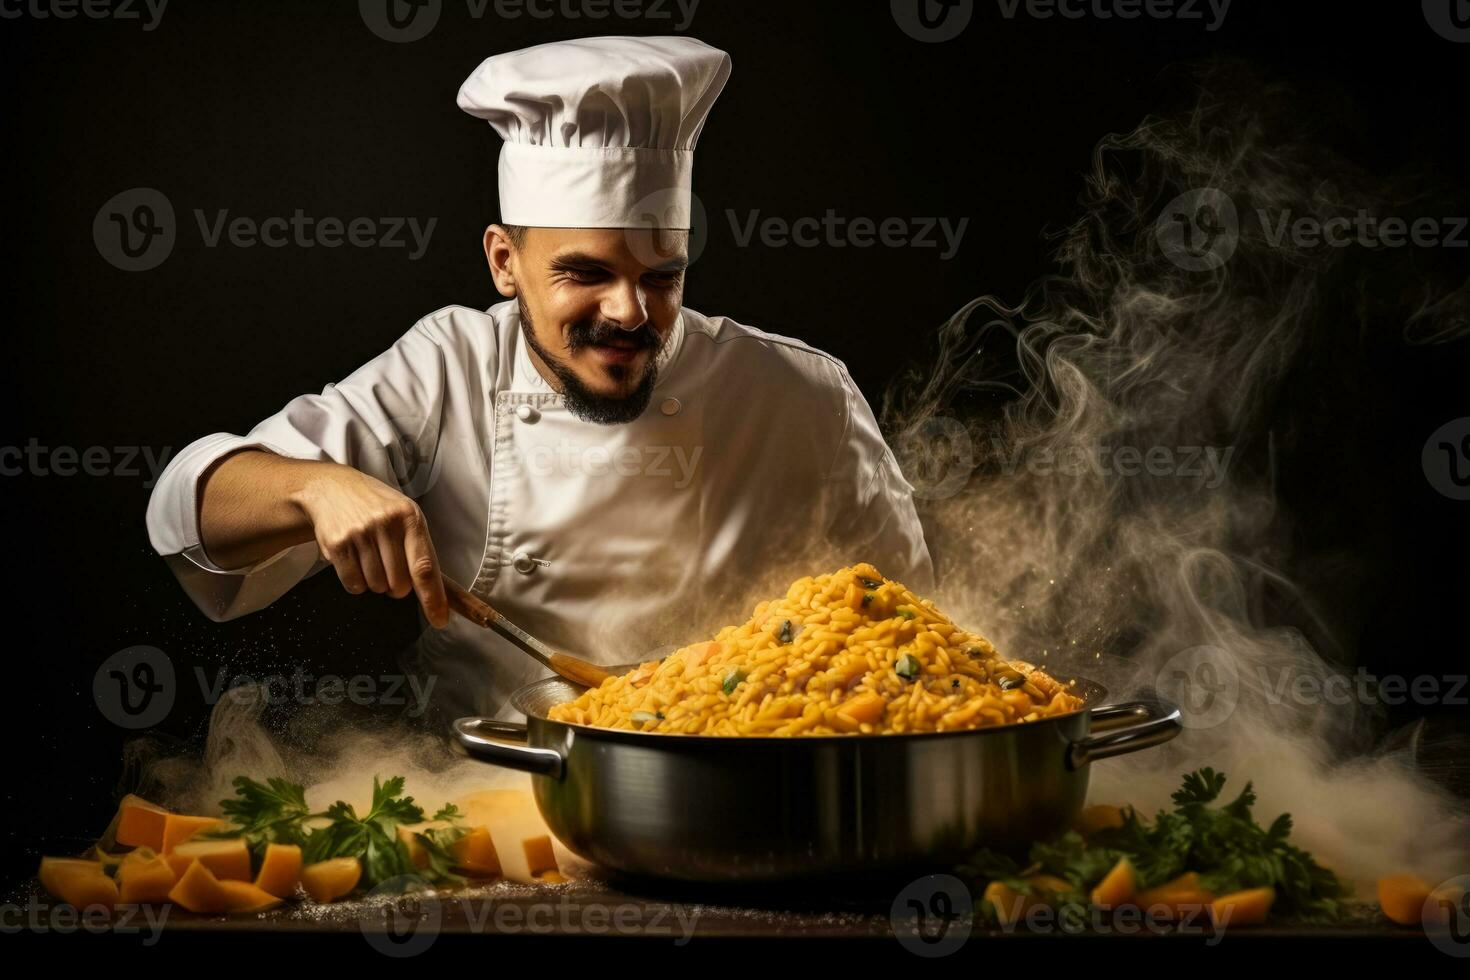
[(525, 413), (523, 563), (670, 406)]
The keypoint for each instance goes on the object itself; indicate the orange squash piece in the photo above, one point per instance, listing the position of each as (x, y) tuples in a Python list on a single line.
[(1117, 886), (1402, 898), (865, 709), (1010, 905), (1179, 897), (198, 890), (140, 823), (327, 881), (246, 896), (179, 827), (539, 854), (145, 878), (474, 854), (229, 858), (1101, 816), (418, 856), (79, 883), (1243, 908), (280, 870)]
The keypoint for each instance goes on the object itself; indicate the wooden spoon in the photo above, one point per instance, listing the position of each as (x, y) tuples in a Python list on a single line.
[(481, 613)]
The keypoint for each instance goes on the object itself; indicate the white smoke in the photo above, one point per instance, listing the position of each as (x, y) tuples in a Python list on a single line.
[(1047, 539)]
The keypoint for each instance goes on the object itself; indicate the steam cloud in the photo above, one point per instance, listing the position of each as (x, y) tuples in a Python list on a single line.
[(1164, 579)]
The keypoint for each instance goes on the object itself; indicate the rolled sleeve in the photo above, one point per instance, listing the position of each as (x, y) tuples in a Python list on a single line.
[(384, 419)]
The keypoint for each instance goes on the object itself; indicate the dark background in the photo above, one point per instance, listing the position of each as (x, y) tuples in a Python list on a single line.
[(263, 108)]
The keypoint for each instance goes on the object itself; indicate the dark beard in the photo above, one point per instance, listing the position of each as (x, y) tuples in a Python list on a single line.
[(583, 402)]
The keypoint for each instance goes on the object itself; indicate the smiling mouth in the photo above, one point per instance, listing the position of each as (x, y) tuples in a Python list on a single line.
[(619, 351)]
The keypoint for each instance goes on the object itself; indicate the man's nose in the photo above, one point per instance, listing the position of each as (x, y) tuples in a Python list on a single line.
[(626, 305)]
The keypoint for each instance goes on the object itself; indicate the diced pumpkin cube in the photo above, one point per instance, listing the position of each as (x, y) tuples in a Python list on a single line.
[(1243, 908), (198, 890), (79, 883), (865, 709), (1048, 883), (418, 855), (1117, 886), (1101, 816), (280, 870), (1402, 898), (474, 854), (1180, 897), (179, 827), (511, 817), (140, 823), (327, 881), (227, 859), (539, 854), (246, 896), (145, 880), (1010, 905)]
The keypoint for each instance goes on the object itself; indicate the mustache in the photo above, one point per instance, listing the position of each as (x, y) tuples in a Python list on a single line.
[(591, 333)]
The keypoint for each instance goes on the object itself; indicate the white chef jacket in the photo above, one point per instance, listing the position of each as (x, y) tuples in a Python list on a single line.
[(757, 461)]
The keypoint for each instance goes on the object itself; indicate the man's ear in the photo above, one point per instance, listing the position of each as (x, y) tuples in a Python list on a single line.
[(499, 252)]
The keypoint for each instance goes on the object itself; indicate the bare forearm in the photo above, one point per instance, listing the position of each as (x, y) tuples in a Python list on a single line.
[(250, 506), (255, 504)]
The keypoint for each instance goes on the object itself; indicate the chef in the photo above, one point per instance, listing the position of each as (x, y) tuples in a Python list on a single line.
[(614, 472)]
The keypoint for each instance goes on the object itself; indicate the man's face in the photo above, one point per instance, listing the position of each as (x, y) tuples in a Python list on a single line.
[(597, 306)]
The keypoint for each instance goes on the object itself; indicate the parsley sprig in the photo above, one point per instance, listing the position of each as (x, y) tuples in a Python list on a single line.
[(1223, 843), (276, 812)]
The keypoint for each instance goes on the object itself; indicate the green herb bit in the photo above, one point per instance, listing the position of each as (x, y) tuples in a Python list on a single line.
[(732, 680), (908, 667)]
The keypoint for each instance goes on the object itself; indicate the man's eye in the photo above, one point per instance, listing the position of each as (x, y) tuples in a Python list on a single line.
[(583, 275), (664, 280)]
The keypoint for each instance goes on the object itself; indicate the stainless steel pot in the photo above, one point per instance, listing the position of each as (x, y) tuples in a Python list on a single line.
[(718, 809)]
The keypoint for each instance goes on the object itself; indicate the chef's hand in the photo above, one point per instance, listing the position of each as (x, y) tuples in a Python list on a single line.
[(375, 537)]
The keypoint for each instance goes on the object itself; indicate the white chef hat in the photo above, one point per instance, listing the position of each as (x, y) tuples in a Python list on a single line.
[(599, 132)]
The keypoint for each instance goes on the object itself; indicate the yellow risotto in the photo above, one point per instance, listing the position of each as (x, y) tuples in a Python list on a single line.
[(849, 652)]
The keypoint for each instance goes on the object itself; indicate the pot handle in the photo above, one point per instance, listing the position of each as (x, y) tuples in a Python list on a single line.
[(494, 742), (1122, 728)]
